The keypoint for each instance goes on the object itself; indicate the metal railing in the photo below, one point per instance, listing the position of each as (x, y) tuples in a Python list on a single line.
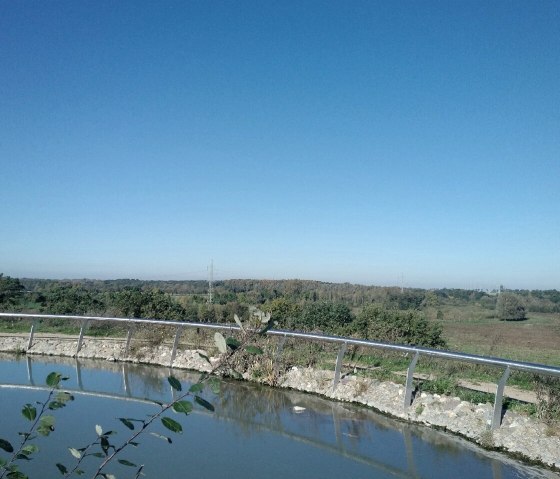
[(342, 341)]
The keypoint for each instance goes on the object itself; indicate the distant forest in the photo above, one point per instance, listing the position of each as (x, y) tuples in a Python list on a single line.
[(256, 291), (415, 315)]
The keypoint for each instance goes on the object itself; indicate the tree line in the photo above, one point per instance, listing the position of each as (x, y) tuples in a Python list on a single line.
[(332, 308)]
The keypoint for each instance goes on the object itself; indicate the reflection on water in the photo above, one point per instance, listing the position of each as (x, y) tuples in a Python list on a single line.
[(254, 431)]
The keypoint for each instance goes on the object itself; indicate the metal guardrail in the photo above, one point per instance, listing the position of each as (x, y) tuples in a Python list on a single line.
[(342, 341)]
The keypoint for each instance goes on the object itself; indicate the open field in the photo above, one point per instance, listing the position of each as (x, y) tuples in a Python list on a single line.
[(472, 329)]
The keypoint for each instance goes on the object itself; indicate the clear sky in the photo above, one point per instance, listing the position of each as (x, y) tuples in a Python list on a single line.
[(362, 141)]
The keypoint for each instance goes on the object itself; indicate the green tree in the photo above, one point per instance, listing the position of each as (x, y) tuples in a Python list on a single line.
[(394, 326), (70, 299), (11, 290), (326, 317), (128, 302), (408, 299), (510, 308), (286, 313), (154, 304), (160, 305)]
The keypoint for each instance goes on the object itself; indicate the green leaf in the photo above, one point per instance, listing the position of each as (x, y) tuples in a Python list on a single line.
[(175, 384), (204, 403), (23, 457), (29, 412), (124, 462), (97, 454), (64, 397), (233, 343), (127, 422), (77, 454), (29, 449), (56, 405), (184, 407), (196, 388), (6, 446), (220, 342), (62, 468), (105, 445), (46, 425), (171, 424), (253, 350), (238, 321), (159, 436), (98, 429), (16, 475), (79, 472), (53, 379)]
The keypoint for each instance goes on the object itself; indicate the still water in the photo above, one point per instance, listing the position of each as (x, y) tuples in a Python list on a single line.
[(255, 432)]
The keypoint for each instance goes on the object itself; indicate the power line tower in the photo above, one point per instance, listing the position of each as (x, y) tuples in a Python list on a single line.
[(210, 281)]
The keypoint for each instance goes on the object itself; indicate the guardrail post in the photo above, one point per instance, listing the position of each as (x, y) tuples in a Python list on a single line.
[(175, 344), (409, 380), (82, 331), (128, 338), (497, 417), (338, 366), (278, 354), (31, 333)]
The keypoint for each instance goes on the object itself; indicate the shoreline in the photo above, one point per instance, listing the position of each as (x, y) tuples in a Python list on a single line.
[(519, 436)]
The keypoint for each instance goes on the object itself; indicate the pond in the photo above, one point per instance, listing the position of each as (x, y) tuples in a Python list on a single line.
[(254, 431)]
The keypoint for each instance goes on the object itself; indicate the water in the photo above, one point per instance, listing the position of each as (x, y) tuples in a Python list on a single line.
[(255, 432)]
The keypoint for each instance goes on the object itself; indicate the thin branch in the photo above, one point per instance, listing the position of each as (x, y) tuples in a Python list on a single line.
[(27, 435), (224, 361)]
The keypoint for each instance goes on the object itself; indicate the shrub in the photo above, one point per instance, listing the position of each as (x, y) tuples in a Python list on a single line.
[(548, 399), (403, 327), (510, 308)]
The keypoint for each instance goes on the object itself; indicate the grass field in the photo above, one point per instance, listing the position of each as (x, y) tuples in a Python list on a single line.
[(473, 329)]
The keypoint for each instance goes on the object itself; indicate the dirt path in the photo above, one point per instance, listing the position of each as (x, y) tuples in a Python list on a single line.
[(509, 391)]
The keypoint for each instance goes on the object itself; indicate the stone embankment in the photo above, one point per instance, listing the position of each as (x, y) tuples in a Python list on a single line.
[(519, 435)]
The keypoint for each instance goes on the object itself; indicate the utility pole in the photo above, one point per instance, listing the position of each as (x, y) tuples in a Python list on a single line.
[(210, 281)]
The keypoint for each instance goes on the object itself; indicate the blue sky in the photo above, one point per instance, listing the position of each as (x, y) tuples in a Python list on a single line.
[(368, 142)]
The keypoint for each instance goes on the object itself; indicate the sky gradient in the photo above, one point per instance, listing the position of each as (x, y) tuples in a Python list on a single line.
[(368, 142)]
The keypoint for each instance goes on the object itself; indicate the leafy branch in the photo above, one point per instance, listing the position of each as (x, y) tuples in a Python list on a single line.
[(42, 424), (228, 348)]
